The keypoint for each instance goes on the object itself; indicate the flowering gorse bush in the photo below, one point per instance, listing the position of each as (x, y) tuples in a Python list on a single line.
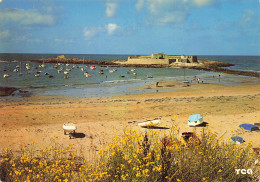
[(150, 156)]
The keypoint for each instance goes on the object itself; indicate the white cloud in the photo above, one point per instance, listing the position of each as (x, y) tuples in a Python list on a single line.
[(111, 8), (112, 28), (0, 1), (90, 32), (4, 34), (247, 17), (162, 12), (26, 17), (201, 3), (139, 5), (57, 40)]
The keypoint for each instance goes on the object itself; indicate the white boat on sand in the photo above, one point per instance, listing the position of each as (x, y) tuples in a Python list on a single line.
[(69, 128), (150, 123)]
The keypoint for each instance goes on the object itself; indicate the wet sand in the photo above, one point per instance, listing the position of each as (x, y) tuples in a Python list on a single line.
[(99, 120)]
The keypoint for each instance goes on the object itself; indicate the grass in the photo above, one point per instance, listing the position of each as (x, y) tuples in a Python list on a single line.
[(151, 156)]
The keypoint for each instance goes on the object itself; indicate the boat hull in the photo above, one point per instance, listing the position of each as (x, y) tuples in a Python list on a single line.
[(150, 123)]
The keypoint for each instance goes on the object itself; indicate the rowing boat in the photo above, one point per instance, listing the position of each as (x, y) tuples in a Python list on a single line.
[(150, 123), (69, 128)]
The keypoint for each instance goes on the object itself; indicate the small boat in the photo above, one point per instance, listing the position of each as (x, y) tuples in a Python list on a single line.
[(195, 119), (69, 128), (149, 76), (66, 72), (50, 76), (82, 69), (66, 76), (6, 75), (257, 124), (150, 123), (93, 67), (112, 71), (134, 73), (42, 65), (59, 71), (37, 75), (16, 70), (122, 76), (67, 64), (55, 66), (249, 127), (237, 140), (132, 70), (46, 73), (87, 75)]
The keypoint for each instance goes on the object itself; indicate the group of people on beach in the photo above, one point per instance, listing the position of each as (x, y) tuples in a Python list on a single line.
[(197, 79)]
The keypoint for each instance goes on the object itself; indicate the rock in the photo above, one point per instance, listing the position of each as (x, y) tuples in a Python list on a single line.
[(6, 91)]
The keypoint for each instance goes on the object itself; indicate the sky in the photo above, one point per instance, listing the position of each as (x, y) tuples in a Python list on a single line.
[(191, 27)]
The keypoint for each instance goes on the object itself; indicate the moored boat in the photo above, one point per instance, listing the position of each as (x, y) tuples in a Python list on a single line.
[(6, 75), (150, 123), (93, 67)]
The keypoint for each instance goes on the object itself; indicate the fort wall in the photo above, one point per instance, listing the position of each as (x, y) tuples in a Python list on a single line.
[(147, 61), (161, 59)]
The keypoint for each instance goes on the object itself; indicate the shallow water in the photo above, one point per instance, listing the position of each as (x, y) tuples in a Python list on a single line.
[(107, 84)]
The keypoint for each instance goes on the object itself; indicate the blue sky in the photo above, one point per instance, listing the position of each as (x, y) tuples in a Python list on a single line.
[(198, 27)]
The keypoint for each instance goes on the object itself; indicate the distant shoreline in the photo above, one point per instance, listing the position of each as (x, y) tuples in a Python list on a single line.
[(205, 65)]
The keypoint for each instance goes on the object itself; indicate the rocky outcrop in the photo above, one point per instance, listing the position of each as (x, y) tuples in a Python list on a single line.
[(6, 91)]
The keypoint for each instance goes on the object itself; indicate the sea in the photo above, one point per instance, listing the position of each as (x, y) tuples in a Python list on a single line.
[(120, 81)]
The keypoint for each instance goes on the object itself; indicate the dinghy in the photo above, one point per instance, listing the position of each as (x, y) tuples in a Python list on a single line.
[(6, 75), (237, 140), (249, 127), (150, 123), (69, 128), (195, 119)]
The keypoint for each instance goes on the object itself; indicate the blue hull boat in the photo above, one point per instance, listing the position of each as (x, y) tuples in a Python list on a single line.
[(249, 127)]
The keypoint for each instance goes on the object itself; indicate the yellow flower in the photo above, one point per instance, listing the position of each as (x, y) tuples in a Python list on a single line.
[(220, 171)]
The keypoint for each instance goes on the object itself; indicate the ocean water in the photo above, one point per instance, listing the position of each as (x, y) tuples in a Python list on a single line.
[(107, 84)]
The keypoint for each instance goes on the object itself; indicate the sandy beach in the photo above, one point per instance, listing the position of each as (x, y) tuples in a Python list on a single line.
[(99, 120)]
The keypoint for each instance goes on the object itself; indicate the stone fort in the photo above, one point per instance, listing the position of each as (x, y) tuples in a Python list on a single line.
[(162, 58)]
